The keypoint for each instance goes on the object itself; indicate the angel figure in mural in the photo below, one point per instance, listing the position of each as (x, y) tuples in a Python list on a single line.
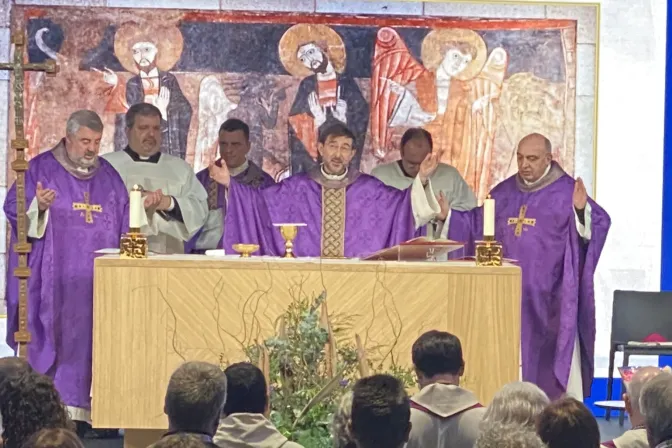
[(326, 94), (149, 52), (453, 94)]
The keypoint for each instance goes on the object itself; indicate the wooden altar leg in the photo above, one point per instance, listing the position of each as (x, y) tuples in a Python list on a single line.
[(141, 438)]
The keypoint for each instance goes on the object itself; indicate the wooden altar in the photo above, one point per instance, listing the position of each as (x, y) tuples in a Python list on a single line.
[(152, 314)]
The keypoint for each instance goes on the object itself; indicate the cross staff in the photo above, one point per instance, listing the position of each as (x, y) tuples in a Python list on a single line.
[(20, 166)]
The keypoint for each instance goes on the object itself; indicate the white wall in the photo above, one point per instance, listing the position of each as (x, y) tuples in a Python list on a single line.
[(630, 102)]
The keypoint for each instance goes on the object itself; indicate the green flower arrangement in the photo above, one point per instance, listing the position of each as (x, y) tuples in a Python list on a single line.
[(309, 364)]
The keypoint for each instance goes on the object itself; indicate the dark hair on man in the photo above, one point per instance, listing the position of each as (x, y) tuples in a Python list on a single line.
[(29, 403), (246, 389), (417, 133), (195, 397), (437, 352), (143, 110), (54, 438), (233, 125), (180, 440), (568, 422), (336, 129), (381, 412)]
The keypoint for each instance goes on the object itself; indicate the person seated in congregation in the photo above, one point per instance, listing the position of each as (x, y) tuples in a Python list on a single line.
[(381, 412), (635, 437), (416, 143), (567, 422), (175, 201), (516, 404), (442, 414), (341, 424), (11, 367), (54, 438), (180, 440), (656, 406), (29, 402), (348, 213), (234, 145), (195, 400), (508, 436), (244, 422)]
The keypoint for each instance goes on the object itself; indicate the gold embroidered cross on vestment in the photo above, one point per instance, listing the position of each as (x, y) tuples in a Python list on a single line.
[(87, 208), (521, 221), (333, 222)]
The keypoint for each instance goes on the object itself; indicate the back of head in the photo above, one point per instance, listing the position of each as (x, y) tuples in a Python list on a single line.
[(334, 130), (233, 125), (636, 385), (54, 438), (381, 412), (341, 426), (141, 109), (656, 406), (516, 404), (29, 403), (83, 119), (195, 397), (12, 366), (503, 436), (180, 440), (568, 422), (436, 353), (246, 389)]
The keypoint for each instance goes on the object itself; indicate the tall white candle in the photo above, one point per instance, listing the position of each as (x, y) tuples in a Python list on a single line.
[(489, 217), (135, 208)]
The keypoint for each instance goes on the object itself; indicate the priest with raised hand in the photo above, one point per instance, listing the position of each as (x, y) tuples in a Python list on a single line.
[(347, 213), (545, 220), (175, 201), (234, 145), (77, 204)]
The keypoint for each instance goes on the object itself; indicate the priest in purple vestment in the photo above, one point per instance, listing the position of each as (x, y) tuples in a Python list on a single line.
[(234, 145), (78, 204), (347, 213), (546, 221)]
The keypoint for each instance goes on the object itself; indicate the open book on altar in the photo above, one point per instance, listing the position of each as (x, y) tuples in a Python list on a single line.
[(418, 249)]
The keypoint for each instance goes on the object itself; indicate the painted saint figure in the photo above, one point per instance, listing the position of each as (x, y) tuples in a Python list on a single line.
[(325, 96), (150, 55)]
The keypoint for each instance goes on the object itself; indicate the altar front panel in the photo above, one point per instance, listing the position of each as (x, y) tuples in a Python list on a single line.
[(151, 315)]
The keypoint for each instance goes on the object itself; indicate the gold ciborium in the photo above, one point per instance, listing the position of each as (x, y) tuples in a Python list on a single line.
[(245, 250), (288, 232)]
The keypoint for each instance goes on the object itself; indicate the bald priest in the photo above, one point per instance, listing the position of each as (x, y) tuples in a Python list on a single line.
[(545, 220), (348, 213)]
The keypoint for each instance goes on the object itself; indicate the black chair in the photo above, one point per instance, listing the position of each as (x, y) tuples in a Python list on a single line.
[(636, 315)]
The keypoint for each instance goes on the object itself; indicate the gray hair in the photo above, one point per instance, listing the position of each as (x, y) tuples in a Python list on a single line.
[(503, 436), (639, 380), (656, 407), (196, 395), (83, 119), (341, 425), (516, 404)]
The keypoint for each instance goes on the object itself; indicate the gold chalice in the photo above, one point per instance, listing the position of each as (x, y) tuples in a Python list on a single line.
[(288, 232), (245, 250)]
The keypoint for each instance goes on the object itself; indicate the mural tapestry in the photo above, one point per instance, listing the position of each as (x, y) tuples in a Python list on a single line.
[(477, 85)]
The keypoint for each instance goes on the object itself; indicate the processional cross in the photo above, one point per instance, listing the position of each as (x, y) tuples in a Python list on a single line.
[(20, 166), (521, 220)]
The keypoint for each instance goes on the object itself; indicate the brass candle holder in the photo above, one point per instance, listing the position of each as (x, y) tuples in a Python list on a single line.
[(133, 244), (489, 252)]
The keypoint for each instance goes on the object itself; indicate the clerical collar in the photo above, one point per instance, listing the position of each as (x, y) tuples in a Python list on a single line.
[(538, 181), (334, 176), (154, 158), (233, 172)]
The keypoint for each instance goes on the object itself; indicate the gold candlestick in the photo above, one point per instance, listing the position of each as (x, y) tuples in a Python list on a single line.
[(489, 252)]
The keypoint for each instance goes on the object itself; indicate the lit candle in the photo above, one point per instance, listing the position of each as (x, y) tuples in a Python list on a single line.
[(489, 218), (135, 208)]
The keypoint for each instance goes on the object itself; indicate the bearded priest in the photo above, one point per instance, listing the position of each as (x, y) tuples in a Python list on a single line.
[(347, 213), (546, 221)]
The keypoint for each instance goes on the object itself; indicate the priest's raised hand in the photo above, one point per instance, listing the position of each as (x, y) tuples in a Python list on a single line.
[(580, 196), (44, 196), (428, 167), (220, 174)]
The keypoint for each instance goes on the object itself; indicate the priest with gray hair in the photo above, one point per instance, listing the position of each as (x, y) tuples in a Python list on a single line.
[(656, 406), (516, 404), (78, 204)]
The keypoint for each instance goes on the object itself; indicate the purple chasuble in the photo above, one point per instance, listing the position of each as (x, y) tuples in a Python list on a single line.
[(375, 216), (60, 288), (558, 268), (253, 176)]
